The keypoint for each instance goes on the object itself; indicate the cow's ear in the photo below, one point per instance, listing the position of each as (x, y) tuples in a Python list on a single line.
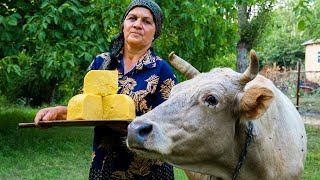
[(255, 101)]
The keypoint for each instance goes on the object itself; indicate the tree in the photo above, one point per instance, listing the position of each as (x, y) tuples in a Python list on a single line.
[(60, 38), (282, 42), (56, 40), (199, 31), (252, 20)]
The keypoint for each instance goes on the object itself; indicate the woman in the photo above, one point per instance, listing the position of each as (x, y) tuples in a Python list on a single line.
[(145, 78)]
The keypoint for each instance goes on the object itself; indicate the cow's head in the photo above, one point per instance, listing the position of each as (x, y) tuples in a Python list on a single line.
[(198, 124)]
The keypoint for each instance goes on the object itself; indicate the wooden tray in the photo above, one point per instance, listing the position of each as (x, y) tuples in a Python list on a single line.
[(119, 125)]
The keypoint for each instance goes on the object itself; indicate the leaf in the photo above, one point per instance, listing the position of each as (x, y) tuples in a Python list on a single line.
[(70, 26), (93, 26), (68, 72), (301, 24), (100, 40), (47, 19), (16, 15), (64, 65), (71, 63), (17, 69), (32, 28), (197, 31), (5, 36), (75, 10), (88, 57), (12, 21), (56, 19), (50, 61), (44, 4), (44, 25), (82, 47), (42, 36)]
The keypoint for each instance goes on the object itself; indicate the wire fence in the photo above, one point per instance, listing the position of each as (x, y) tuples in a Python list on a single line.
[(303, 90)]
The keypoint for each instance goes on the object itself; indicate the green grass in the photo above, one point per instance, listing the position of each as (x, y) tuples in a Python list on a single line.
[(65, 152), (312, 165), (308, 103), (53, 153)]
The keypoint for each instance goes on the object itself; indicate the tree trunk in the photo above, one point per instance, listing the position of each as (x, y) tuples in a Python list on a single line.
[(242, 57), (242, 46)]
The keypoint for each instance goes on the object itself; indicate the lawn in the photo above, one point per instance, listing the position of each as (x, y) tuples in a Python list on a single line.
[(53, 153), (65, 152)]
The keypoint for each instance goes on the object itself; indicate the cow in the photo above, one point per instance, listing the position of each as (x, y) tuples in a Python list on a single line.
[(226, 124)]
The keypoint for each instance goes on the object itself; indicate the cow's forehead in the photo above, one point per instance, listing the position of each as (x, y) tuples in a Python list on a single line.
[(224, 78)]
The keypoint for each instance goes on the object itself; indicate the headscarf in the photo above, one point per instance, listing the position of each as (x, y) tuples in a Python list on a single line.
[(118, 41)]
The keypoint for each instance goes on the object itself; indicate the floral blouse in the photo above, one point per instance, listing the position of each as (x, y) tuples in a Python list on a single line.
[(149, 84)]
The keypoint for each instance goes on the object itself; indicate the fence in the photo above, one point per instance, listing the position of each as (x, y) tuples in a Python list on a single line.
[(306, 92)]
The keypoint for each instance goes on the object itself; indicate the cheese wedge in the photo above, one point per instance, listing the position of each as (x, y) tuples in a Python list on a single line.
[(101, 82), (118, 107), (85, 107)]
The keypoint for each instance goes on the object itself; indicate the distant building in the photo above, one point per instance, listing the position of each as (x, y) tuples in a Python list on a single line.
[(312, 60)]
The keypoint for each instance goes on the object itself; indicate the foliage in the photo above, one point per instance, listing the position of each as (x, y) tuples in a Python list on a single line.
[(253, 22), (282, 42), (56, 40), (198, 37), (308, 15), (46, 46)]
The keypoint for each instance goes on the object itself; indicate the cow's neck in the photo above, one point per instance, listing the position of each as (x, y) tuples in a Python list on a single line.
[(244, 150), (229, 166)]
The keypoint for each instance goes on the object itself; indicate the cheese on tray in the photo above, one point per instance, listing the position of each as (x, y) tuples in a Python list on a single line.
[(85, 107), (100, 100), (101, 82), (118, 107)]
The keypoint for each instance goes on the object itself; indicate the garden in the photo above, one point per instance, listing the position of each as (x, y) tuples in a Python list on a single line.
[(46, 47)]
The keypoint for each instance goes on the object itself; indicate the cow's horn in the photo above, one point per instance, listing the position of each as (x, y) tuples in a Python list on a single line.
[(183, 66), (252, 70)]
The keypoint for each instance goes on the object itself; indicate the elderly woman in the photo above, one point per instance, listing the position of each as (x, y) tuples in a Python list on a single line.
[(144, 77)]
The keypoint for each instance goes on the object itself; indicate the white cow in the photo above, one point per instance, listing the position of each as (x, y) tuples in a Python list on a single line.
[(225, 124)]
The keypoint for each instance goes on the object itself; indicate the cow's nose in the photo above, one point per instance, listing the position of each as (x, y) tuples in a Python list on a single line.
[(138, 133)]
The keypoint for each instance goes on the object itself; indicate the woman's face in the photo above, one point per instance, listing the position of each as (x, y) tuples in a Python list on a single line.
[(139, 27)]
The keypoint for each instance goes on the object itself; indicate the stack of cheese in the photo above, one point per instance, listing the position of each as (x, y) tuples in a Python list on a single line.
[(99, 100)]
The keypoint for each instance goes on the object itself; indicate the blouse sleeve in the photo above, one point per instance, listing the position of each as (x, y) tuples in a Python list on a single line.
[(166, 82), (98, 61)]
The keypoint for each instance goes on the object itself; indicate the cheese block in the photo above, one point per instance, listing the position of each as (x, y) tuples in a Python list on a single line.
[(85, 107), (101, 82), (118, 107)]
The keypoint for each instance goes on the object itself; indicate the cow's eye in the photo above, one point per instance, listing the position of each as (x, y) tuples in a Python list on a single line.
[(211, 101)]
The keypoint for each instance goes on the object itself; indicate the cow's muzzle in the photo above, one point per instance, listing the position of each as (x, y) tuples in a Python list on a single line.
[(138, 133)]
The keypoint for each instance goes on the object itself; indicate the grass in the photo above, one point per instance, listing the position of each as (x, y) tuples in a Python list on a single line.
[(53, 153), (309, 103), (65, 152), (312, 165)]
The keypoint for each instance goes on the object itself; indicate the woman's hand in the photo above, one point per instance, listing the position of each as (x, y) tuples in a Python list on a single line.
[(51, 113)]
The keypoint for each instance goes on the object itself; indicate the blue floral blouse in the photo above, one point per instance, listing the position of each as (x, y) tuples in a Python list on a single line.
[(149, 84)]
